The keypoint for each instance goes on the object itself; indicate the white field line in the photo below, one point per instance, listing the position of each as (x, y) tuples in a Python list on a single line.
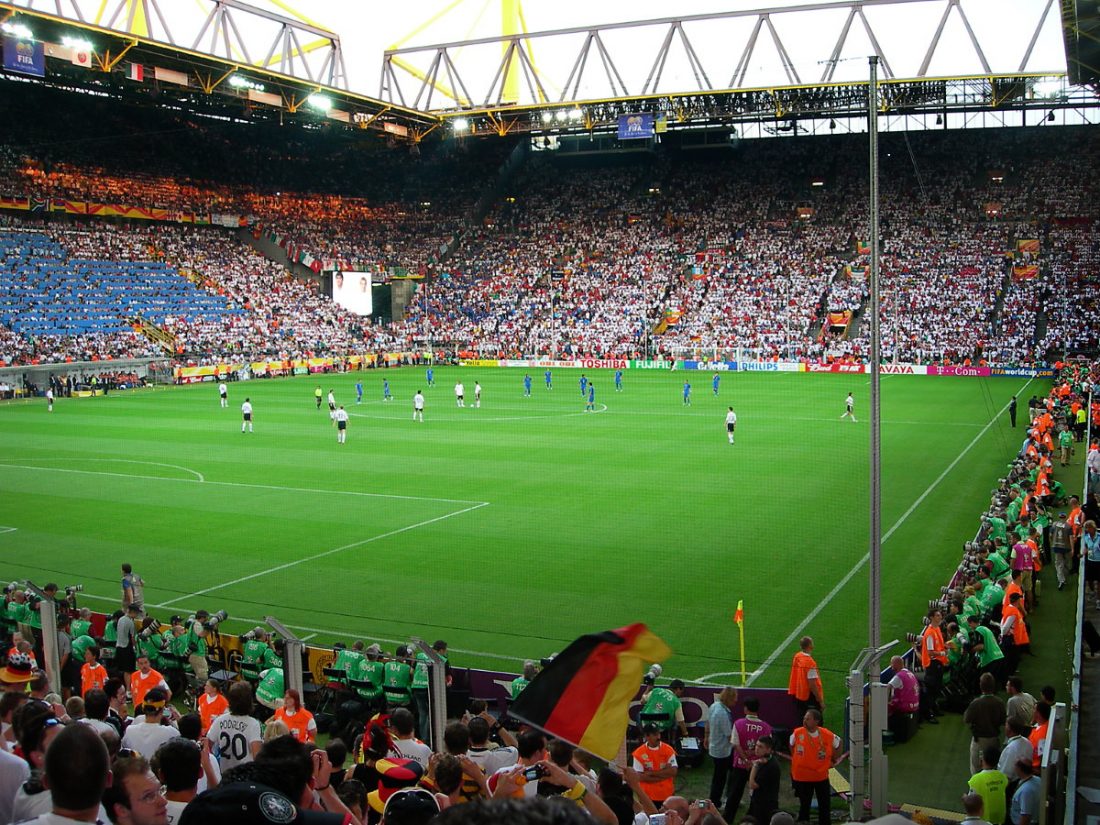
[(195, 473), (4, 463), (322, 555), (8, 530), (339, 634), (784, 645)]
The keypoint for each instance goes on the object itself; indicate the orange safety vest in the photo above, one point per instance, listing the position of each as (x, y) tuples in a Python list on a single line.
[(939, 649), (1009, 590), (93, 676), (654, 759), (140, 685), (298, 723), (1019, 629), (1036, 560), (811, 756), (799, 684), (1038, 737), (209, 710)]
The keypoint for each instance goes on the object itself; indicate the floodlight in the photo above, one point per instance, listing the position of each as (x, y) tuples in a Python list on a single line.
[(575, 114), (547, 117), (320, 102), (19, 30), (78, 43), (560, 116), (461, 124)]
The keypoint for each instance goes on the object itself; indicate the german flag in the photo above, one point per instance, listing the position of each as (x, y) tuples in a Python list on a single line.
[(584, 694)]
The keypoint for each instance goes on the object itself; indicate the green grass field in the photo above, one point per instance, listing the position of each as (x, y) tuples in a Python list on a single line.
[(511, 529)]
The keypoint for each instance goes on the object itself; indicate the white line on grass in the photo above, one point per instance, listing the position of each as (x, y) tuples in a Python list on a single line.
[(322, 555), (307, 638), (195, 473), (3, 463), (8, 529), (339, 634), (867, 556)]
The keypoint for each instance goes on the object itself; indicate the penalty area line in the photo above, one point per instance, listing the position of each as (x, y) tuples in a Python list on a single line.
[(867, 556), (324, 554)]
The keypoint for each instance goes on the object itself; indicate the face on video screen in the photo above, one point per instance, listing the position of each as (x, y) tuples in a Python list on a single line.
[(352, 291)]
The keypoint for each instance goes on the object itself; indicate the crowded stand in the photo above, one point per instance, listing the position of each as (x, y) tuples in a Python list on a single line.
[(167, 707)]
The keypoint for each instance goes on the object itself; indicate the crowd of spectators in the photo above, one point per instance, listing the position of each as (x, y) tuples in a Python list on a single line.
[(743, 249)]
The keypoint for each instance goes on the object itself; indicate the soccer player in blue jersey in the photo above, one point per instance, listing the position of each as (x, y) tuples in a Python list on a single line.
[(591, 405), (618, 380), (714, 383), (527, 386), (584, 383), (386, 390), (687, 394), (359, 391), (431, 376), (549, 385)]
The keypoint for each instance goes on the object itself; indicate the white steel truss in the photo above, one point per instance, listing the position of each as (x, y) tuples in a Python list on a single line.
[(601, 65), (226, 29)]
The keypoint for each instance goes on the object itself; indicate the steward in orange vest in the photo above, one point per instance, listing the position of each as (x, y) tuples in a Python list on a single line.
[(814, 750)]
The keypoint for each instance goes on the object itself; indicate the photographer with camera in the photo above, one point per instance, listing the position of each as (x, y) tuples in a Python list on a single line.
[(398, 679), (151, 642), (662, 706), (192, 643), (256, 653), (372, 670)]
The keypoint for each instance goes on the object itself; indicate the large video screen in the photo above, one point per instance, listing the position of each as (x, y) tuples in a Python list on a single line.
[(351, 290)]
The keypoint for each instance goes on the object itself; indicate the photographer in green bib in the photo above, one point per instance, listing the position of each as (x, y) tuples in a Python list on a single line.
[(257, 654), (662, 706), (372, 670), (270, 691), (348, 660), (150, 642), (397, 683), (82, 626)]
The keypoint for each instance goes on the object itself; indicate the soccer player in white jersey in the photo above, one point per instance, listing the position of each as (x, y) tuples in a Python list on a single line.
[(477, 394), (418, 407), (49, 400), (223, 391), (849, 402), (332, 407), (341, 425), (460, 395), (246, 413), (731, 424)]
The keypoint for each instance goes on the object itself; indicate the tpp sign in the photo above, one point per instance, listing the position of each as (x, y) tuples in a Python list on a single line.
[(24, 57), (636, 126)]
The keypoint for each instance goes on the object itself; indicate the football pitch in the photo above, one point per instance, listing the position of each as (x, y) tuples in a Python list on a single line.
[(512, 528)]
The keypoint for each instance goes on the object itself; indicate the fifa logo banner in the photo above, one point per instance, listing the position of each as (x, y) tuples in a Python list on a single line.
[(24, 57), (636, 126)]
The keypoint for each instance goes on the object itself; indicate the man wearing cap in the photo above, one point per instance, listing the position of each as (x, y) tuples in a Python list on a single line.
[(372, 670), (410, 806), (662, 707), (655, 762), (146, 733)]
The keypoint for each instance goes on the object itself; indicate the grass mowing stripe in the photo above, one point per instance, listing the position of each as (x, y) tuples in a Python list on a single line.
[(784, 645), (202, 480), (332, 552)]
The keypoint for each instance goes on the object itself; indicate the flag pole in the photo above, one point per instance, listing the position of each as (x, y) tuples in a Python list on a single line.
[(739, 618)]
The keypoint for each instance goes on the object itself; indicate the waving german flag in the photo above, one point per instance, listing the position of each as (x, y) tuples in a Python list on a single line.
[(584, 694)]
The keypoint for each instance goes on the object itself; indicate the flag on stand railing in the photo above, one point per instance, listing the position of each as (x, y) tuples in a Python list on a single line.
[(584, 694)]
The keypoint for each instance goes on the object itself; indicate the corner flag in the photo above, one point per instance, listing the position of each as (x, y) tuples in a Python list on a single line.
[(739, 617)]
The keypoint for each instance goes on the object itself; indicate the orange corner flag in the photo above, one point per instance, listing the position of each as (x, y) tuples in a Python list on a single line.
[(739, 616)]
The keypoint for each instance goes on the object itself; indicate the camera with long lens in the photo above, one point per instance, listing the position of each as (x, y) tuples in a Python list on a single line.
[(652, 675), (206, 621), (11, 588), (150, 631)]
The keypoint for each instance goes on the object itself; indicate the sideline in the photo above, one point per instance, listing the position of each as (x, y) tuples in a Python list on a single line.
[(785, 644)]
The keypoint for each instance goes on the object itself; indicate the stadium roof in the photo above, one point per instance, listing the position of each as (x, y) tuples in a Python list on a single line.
[(500, 66)]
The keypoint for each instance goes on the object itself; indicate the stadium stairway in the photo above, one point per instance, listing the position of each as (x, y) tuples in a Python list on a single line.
[(273, 252), (999, 304)]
